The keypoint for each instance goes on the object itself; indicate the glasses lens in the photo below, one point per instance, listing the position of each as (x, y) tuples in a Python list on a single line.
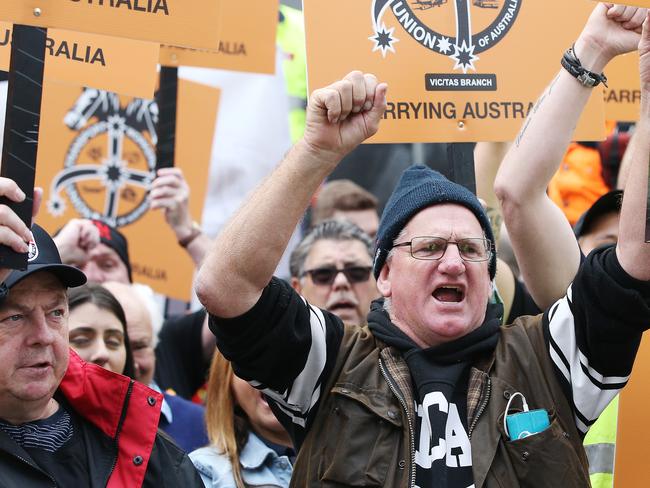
[(428, 247), (474, 249), (357, 274), (323, 276), (326, 276)]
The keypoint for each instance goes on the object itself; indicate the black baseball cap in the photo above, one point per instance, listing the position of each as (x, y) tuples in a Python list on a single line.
[(607, 203), (44, 256)]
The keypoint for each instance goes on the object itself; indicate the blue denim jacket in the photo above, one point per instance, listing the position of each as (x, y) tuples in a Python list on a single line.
[(260, 466)]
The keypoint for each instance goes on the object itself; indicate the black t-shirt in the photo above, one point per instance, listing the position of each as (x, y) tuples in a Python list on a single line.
[(179, 355), (56, 445)]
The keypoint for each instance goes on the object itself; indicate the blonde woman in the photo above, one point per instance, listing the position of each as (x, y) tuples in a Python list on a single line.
[(245, 437)]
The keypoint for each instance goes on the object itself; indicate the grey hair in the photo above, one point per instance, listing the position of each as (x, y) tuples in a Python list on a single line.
[(336, 230), (398, 239), (388, 304)]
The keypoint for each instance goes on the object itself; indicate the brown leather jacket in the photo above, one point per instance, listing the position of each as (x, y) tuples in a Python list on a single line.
[(363, 432)]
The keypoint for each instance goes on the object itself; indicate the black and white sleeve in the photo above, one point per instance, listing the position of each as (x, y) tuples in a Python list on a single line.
[(284, 347), (594, 332)]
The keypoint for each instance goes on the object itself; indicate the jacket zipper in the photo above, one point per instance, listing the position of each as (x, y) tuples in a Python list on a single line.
[(481, 408), (399, 396), (119, 429), (30, 464)]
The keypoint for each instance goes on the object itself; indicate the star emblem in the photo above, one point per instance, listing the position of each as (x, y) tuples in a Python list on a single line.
[(464, 57), (384, 40), (444, 46), (56, 207)]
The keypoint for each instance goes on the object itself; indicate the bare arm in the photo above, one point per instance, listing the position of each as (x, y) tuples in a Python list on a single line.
[(242, 260), (632, 251), (624, 170), (542, 238), (487, 159)]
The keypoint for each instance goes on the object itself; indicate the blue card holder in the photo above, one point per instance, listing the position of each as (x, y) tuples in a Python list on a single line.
[(524, 424)]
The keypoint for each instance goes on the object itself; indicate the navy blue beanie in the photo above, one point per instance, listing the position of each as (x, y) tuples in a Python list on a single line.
[(418, 188)]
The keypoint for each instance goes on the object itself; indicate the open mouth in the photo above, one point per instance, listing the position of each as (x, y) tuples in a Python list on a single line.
[(448, 294), (342, 306)]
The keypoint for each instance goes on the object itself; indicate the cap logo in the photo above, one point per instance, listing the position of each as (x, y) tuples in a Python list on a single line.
[(104, 231), (32, 254)]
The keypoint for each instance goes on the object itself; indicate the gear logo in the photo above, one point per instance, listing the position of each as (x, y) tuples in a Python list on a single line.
[(32, 253), (480, 24), (110, 164)]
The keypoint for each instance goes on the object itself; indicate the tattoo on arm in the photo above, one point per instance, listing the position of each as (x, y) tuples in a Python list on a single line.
[(494, 214), (539, 102)]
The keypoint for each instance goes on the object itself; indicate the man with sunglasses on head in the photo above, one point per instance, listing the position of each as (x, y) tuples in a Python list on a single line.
[(427, 394), (332, 269)]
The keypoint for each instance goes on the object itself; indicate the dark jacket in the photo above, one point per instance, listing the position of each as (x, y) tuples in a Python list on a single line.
[(187, 425), (363, 435), (120, 430)]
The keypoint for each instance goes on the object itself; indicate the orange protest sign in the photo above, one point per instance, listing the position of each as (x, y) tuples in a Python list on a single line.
[(246, 42), (97, 159), (634, 3), (192, 23), (107, 63), (5, 45), (633, 427), (623, 97), (457, 70)]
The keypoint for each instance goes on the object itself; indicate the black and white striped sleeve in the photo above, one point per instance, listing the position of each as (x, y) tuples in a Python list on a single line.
[(593, 333), (284, 347)]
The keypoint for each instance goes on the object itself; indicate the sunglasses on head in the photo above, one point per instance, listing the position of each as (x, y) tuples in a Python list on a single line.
[(327, 275)]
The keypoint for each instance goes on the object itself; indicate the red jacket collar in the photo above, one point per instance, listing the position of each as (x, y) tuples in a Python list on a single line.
[(100, 397)]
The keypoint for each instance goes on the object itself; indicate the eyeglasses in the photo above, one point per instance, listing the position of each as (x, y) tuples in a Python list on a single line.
[(327, 275), (432, 248)]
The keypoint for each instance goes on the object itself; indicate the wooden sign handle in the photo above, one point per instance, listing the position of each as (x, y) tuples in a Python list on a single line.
[(460, 165), (22, 120), (167, 99)]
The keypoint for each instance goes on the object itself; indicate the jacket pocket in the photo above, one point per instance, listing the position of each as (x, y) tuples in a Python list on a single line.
[(362, 439), (546, 459)]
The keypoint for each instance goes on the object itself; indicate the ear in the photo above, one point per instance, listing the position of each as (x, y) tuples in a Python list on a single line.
[(295, 284), (383, 280)]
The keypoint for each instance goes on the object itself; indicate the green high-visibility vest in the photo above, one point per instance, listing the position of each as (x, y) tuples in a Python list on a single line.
[(291, 39), (600, 445)]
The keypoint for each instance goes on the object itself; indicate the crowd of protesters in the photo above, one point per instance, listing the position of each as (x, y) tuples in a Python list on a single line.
[(400, 350)]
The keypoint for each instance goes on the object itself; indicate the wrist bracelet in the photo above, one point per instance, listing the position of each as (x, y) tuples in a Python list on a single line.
[(196, 232), (572, 64)]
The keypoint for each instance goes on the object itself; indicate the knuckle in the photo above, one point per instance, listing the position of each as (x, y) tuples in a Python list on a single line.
[(370, 78), (355, 75)]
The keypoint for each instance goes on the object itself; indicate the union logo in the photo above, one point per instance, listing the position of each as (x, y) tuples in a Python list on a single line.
[(480, 24), (32, 253), (110, 164)]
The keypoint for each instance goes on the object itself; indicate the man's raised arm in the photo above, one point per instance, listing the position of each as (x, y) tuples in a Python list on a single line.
[(244, 256), (544, 244), (632, 251)]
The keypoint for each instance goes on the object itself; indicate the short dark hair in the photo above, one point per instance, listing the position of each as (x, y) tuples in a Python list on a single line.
[(103, 299), (343, 195), (336, 230)]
